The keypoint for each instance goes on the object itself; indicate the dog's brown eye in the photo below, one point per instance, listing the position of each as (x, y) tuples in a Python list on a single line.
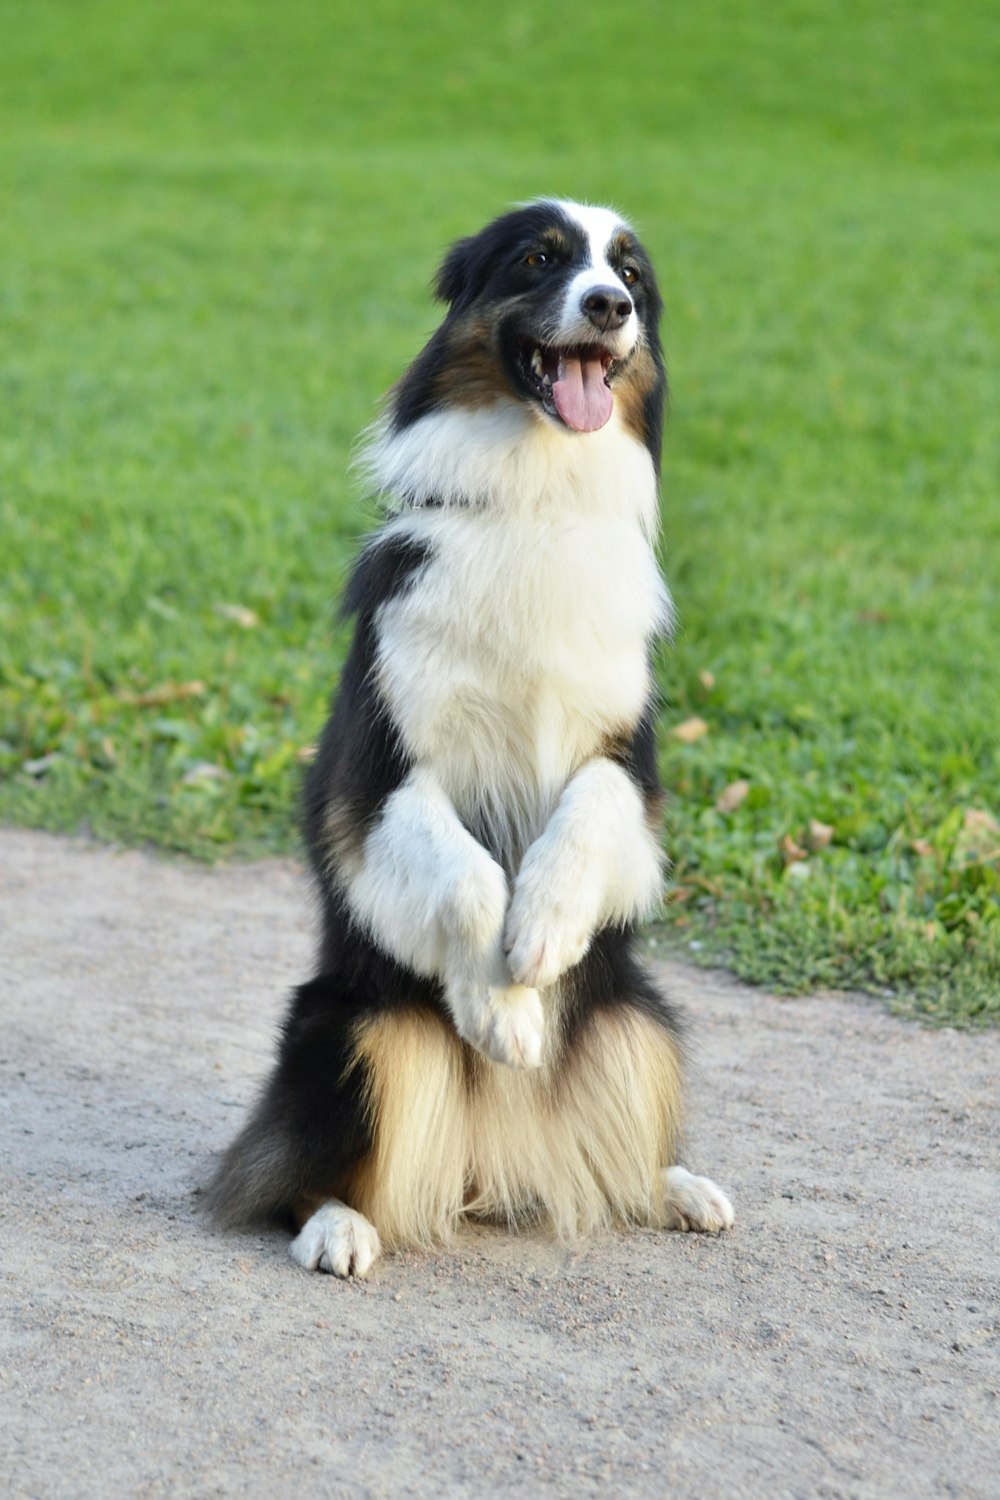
[(536, 258), (630, 275)]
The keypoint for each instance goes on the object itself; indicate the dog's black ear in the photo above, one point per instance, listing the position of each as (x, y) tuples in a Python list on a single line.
[(454, 276)]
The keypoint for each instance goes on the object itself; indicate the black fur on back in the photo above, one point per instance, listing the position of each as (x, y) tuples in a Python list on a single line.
[(361, 758), (309, 1126)]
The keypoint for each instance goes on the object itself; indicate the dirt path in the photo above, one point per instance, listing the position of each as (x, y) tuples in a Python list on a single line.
[(842, 1341)]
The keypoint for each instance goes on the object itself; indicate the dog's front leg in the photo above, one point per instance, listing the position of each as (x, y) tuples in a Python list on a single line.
[(433, 897), (599, 861)]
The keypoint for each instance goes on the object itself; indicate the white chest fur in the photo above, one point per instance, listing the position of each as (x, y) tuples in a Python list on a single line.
[(523, 643)]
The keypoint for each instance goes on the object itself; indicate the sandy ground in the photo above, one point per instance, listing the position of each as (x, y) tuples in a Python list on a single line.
[(842, 1341)]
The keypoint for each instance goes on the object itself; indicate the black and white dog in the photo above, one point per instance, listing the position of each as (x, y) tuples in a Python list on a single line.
[(482, 815)]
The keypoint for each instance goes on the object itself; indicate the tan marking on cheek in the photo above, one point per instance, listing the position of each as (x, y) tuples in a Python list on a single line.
[(614, 744), (631, 390), (474, 375)]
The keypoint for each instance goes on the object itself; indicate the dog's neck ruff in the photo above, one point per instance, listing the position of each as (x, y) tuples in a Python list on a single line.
[(502, 457)]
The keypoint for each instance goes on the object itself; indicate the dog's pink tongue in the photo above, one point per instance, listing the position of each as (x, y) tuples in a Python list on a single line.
[(582, 399)]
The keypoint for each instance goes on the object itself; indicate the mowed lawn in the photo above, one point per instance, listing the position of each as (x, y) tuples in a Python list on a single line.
[(217, 229)]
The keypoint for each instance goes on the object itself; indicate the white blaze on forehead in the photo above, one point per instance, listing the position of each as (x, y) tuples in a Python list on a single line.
[(600, 225)]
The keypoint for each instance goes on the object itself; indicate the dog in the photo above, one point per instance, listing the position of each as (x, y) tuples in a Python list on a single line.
[(483, 812)]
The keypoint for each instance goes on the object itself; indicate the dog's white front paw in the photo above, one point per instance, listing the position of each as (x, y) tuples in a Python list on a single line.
[(695, 1202), (553, 912), (337, 1239), (516, 1027), (544, 938), (476, 904), (504, 1022)]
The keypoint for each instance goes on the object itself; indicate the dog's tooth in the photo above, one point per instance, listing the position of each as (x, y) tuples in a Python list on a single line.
[(536, 363)]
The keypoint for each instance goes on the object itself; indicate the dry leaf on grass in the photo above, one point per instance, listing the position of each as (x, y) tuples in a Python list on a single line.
[(978, 840), (167, 692), (707, 680), (819, 834), (791, 852), (204, 771), (873, 616), (689, 731), (41, 764), (239, 614), (731, 796)]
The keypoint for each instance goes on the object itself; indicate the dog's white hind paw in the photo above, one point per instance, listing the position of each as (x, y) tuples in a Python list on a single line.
[(695, 1202), (337, 1239)]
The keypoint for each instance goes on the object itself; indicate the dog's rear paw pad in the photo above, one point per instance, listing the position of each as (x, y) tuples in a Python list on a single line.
[(695, 1202), (337, 1239)]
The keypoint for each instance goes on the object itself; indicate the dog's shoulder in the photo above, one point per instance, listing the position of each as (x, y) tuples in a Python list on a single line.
[(384, 567)]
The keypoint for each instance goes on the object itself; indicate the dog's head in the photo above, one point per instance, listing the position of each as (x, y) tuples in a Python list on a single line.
[(553, 305)]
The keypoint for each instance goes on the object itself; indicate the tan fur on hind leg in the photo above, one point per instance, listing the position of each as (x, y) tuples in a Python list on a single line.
[(580, 1147), (411, 1185), (577, 1145)]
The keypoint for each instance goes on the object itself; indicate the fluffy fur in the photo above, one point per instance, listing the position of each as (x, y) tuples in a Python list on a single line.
[(482, 815)]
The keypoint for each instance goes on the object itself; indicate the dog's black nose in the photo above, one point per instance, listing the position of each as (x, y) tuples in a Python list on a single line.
[(607, 307)]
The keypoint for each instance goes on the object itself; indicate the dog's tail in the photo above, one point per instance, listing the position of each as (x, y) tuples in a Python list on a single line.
[(310, 1127), (257, 1179)]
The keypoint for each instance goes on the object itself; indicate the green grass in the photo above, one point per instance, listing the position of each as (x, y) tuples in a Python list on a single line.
[(217, 227)]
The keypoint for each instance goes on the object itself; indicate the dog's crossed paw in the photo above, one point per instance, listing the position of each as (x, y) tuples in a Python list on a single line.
[(542, 944), (516, 1027), (504, 1023)]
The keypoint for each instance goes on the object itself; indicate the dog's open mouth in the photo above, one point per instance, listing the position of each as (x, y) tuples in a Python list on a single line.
[(572, 383)]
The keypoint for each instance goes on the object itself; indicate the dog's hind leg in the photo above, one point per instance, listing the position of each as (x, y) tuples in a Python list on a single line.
[(694, 1202), (310, 1127), (621, 1092), (409, 1186)]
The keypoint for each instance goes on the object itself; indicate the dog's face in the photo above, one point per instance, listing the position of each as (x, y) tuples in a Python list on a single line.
[(556, 306)]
